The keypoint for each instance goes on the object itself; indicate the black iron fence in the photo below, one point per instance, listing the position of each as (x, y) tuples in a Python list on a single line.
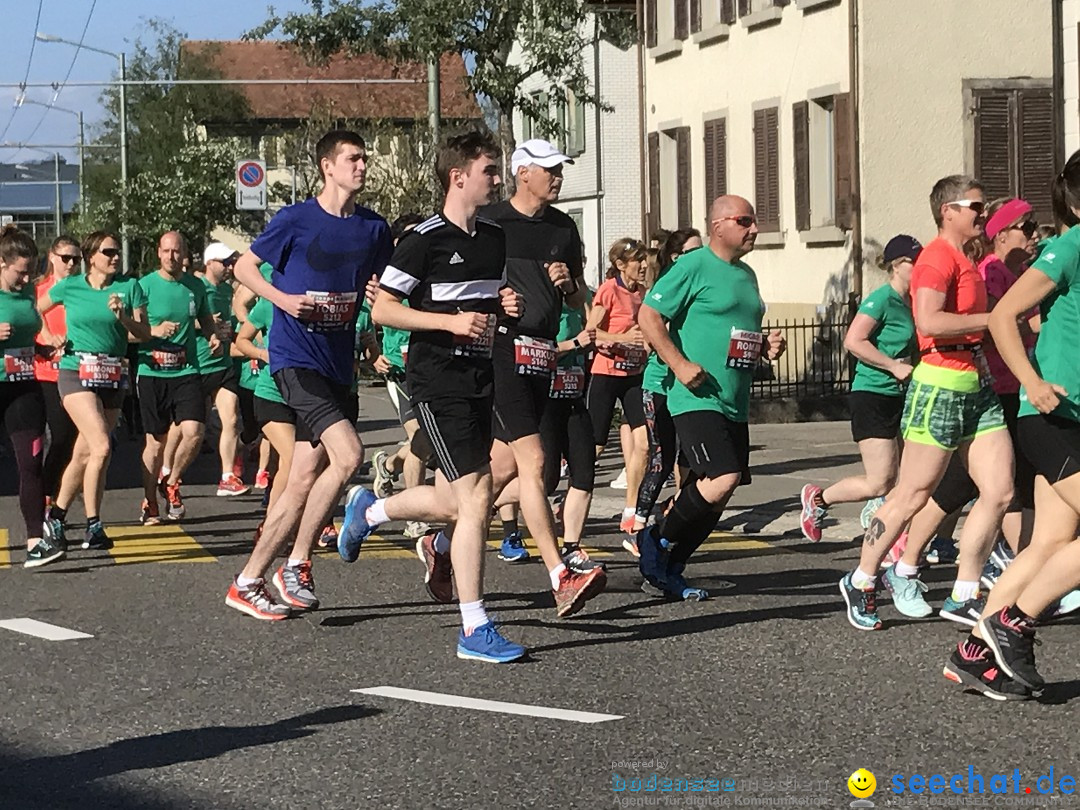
[(815, 363)]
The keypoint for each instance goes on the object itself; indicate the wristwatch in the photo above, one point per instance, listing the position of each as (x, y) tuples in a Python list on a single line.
[(577, 343)]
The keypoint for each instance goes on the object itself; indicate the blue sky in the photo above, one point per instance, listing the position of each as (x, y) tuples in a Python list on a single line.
[(114, 26)]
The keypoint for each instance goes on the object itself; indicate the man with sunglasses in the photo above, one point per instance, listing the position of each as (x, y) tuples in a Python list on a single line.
[(950, 405), (708, 293), (220, 375)]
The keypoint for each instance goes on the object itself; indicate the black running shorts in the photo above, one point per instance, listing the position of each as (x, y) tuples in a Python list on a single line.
[(714, 445), (600, 398), (1051, 444), (520, 399), (459, 432), (318, 401), (227, 378), (165, 401), (875, 416)]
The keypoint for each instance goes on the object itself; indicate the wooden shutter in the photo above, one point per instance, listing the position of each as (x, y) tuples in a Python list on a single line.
[(767, 169), (650, 23), (1036, 150), (683, 176), (695, 15), (800, 134), (843, 160), (653, 218), (715, 161), (994, 155), (682, 19), (744, 7), (727, 12)]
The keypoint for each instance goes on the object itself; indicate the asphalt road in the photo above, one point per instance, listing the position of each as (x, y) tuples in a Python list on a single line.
[(764, 694)]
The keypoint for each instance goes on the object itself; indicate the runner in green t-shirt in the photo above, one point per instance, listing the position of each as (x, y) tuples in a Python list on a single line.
[(243, 300), (101, 311), (704, 320), (170, 390), (882, 339), (1049, 435)]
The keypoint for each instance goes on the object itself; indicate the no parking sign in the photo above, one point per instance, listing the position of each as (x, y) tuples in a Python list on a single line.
[(250, 185)]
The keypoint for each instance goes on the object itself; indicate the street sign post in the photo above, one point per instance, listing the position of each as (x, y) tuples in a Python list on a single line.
[(250, 185)]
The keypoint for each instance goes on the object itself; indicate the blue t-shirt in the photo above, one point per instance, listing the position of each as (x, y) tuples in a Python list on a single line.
[(330, 259)]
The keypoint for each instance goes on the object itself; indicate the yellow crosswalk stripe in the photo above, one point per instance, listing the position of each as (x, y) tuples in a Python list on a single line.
[(5, 552), (160, 544)]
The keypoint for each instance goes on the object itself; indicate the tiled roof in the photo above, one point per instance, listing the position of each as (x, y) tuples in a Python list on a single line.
[(274, 60)]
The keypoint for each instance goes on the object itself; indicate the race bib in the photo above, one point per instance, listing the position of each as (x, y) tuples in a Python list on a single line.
[(19, 364), (334, 311), (169, 357), (478, 346), (534, 356), (254, 367), (100, 371), (404, 355), (744, 349), (224, 331), (631, 359), (568, 382)]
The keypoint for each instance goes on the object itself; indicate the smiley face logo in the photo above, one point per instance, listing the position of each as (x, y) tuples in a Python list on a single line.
[(862, 784)]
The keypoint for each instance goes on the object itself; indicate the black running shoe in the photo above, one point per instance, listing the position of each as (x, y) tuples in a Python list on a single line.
[(1013, 644), (977, 670), (45, 551), (95, 537), (966, 612)]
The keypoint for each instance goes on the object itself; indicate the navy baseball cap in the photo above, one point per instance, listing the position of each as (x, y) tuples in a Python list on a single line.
[(902, 247)]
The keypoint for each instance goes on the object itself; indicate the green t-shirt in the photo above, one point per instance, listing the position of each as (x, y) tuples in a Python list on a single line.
[(183, 301), (261, 317), (219, 299), (19, 309), (894, 337), (1055, 352), (571, 322), (91, 326), (714, 309)]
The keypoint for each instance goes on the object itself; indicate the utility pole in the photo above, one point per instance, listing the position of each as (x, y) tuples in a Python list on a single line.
[(59, 217)]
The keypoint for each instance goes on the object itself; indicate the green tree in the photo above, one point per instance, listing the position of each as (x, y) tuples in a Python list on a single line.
[(177, 179), (550, 36)]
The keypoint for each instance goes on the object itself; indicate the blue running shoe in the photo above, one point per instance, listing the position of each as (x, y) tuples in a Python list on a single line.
[(355, 529), (652, 556), (861, 605), (486, 644), (942, 551), (513, 548), (868, 512), (907, 594), (990, 574), (677, 587)]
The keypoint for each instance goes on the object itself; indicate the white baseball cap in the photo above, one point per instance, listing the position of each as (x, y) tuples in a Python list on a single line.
[(537, 152), (218, 252)]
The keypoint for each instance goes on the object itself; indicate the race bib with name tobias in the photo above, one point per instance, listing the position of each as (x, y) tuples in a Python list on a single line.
[(744, 348), (334, 311)]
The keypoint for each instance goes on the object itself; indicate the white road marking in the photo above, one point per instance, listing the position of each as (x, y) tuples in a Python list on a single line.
[(49, 632), (457, 701)]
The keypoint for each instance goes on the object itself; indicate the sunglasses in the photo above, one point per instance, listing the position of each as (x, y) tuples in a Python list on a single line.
[(67, 258), (976, 206), (1028, 228), (112, 253), (744, 221), (229, 262)]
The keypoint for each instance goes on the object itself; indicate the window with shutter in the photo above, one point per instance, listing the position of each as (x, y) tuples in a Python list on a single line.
[(695, 15), (715, 161), (843, 151), (744, 7), (727, 12), (650, 23), (800, 134), (1015, 148), (653, 217), (767, 169), (683, 177), (682, 19)]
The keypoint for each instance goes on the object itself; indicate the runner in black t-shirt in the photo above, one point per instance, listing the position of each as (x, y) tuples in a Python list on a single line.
[(543, 264)]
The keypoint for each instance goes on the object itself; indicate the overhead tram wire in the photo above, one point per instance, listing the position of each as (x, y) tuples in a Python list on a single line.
[(26, 77)]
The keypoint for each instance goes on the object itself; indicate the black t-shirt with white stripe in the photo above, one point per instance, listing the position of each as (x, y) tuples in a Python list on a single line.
[(438, 267)]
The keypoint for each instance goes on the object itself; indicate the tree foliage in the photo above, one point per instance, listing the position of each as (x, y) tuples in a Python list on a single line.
[(550, 37), (176, 179)]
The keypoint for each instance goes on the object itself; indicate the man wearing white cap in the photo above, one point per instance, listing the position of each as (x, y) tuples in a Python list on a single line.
[(543, 264)]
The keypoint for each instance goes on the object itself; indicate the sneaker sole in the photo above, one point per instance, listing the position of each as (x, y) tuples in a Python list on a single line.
[(37, 563), (631, 548), (952, 617), (469, 655), (523, 558), (291, 601), (96, 546), (847, 612), (987, 583), (154, 521), (244, 607), (225, 493), (991, 641), (960, 677)]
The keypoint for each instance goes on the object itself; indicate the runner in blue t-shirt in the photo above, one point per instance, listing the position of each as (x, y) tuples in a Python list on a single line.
[(325, 252)]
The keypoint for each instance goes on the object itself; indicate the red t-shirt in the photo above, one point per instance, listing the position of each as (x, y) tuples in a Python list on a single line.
[(620, 313), (943, 268), (56, 320)]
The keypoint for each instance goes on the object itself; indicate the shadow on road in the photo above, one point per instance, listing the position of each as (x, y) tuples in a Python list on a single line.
[(800, 464), (45, 781)]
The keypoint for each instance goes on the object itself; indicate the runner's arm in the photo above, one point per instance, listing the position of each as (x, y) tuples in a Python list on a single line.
[(933, 321), (652, 327), (1030, 289), (45, 303), (247, 273), (245, 343), (389, 311), (857, 342), (137, 324), (242, 301)]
